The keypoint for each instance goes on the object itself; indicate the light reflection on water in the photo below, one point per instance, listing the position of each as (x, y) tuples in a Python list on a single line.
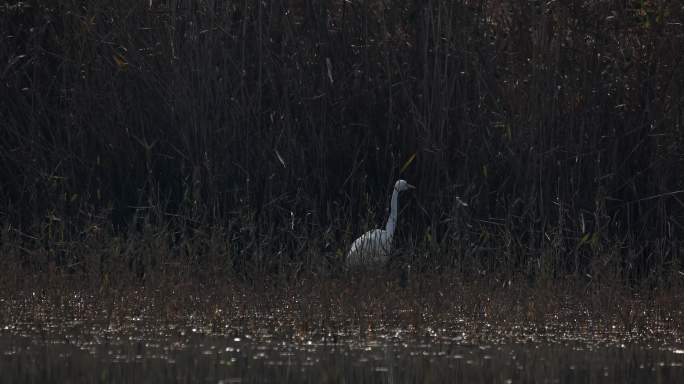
[(90, 348), (175, 353)]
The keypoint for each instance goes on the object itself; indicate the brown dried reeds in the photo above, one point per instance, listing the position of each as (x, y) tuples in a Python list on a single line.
[(169, 141)]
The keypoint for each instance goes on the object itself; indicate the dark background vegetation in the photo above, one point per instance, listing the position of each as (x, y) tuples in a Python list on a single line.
[(209, 139)]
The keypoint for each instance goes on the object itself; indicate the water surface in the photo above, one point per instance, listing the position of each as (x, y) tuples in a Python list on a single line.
[(91, 346)]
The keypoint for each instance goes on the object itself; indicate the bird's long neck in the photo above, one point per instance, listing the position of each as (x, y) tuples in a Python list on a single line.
[(392, 221)]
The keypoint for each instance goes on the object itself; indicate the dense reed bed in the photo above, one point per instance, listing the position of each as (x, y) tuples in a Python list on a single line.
[(176, 141)]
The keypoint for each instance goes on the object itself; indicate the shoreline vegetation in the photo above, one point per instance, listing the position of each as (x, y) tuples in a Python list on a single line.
[(425, 331), (368, 308), (220, 155)]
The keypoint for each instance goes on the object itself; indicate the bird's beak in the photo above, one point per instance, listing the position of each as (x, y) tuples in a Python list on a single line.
[(410, 186)]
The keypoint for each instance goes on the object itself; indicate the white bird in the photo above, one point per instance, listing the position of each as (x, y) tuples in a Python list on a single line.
[(373, 247)]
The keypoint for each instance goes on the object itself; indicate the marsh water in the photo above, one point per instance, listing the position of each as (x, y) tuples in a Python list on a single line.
[(64, 347)]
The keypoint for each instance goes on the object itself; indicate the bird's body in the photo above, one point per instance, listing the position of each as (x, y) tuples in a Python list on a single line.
[(373, 247)]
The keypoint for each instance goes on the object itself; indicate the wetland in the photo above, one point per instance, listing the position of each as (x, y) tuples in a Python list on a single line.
[(180, 182), (374, 330)]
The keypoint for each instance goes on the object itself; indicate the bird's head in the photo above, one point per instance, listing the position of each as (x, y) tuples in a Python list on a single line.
[(402, 185)]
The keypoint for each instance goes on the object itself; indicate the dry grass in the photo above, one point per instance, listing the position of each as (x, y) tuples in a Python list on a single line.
[(201, 141), (361, 308)]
